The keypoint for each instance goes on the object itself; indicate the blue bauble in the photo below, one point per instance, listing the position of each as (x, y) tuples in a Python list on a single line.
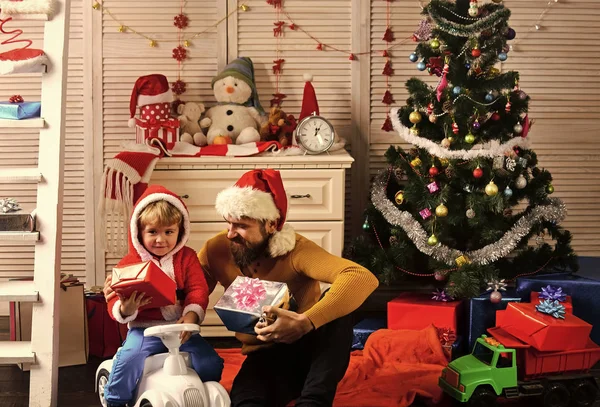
[(468, 65), (489, 97), (457, 90), (421, 66), (502, 56), (413, 57), (508, 192), (511, 34)]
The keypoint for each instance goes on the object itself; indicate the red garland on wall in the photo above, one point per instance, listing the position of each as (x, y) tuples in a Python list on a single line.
[(278, 28), (180, 21), (388, 98)]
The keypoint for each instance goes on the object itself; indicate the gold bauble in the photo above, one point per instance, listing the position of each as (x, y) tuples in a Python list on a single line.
[(441, 210), (416, 162), (152, 43), (414, 130), (244, 7), (444, 162), (432, 241), (399, 197), (450, 139), (414, 117), (122, 29), (491, 189), (434, 43), (549, 188), (187, 43), (432, 118), (96, 6)]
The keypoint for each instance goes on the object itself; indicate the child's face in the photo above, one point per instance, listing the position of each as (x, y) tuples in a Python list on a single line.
[(160, 240)]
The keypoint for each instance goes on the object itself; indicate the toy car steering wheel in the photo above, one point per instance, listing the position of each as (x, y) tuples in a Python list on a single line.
[(164, 330)]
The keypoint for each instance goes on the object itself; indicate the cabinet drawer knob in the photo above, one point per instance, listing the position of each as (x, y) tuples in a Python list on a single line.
[(186, 196), (300, 196)]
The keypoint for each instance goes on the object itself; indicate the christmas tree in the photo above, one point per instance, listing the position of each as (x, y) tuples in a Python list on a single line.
[(467, 208)]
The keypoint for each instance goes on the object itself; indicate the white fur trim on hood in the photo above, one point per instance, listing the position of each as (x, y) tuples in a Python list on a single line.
[(282, 242), (239, 202)]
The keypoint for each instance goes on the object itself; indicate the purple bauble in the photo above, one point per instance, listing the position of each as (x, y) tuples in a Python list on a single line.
[(511, 34), (496, 297), (476, 125)]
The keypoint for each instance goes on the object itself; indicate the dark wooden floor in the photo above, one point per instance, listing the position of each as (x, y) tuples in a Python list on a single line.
[(76, 383)]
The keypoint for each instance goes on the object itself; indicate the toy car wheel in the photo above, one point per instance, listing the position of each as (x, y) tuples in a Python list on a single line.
[(483, 397), (583, 393), (101, 384), (145, 403), (556, 395)]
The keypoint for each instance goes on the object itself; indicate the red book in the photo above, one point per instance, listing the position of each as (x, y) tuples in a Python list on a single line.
[(543, 331), (148, 278), (416, 311)]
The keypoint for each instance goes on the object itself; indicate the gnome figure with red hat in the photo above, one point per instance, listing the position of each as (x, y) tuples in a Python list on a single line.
[(313, 342)]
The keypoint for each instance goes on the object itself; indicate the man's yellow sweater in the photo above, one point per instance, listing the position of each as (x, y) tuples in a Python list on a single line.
[(301, 269)]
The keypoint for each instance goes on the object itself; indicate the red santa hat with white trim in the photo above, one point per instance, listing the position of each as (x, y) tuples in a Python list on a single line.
[(309, 98), (260, 195), (148, 90)]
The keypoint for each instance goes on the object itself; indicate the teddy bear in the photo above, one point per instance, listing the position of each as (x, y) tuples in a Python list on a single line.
[(238, 113), (189, 117), (279, 127)]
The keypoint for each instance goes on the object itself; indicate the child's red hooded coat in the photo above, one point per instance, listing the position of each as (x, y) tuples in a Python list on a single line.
[(181, 265)]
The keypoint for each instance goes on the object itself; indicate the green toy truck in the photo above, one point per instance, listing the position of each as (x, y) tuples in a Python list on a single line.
[(503, 366)]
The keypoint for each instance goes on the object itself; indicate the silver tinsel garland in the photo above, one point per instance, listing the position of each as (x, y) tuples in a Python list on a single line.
[(553, 212)]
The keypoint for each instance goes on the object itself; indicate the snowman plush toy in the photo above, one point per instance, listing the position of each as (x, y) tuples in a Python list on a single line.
[(238, 114)]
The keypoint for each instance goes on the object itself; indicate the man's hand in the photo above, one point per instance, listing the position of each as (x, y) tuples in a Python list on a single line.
[(287, 328), (130, 305), (189, 318), (107, 290)]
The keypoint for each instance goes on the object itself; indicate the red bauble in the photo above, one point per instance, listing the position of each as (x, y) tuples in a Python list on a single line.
[(476, 52), (179, 53), (495, 116), (440, 275), (351, 57), (496, 297), (433, 171), (478, 172), (320, 47), (455, 128), (180, 21)]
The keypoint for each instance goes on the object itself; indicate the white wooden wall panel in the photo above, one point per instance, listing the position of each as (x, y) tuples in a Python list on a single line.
[(554, 63), (20, 148), (126, 56)]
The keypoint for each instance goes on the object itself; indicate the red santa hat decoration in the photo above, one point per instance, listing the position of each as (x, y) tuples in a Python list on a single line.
[(309, 99), (149, 90), (12, 7), (260, 195)]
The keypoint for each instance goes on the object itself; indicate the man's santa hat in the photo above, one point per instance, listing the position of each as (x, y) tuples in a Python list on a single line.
[(260, 195), (309, 98), (23, 60), (147, 90), (13, 7)]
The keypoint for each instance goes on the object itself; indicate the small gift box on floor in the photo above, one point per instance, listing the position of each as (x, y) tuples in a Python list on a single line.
[(417, 311), (364, 329), (583, 291), (14, 218), (545, 332), (17, 109), (482, 314), (240, 307), (145, 277)]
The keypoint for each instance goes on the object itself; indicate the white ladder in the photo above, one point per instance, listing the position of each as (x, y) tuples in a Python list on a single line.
[(42, 351)]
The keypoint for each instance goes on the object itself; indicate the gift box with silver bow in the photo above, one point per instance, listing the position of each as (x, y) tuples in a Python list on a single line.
[(16, 218)]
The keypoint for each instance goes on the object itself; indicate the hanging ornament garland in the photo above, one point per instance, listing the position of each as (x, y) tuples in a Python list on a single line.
[(180, 53), (388, 71), (278, 27)]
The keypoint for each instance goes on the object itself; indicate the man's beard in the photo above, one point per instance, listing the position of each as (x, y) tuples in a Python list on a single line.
[(246, 253)]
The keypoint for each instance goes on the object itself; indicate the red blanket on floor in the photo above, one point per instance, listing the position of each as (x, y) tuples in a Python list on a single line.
[(394, 367)]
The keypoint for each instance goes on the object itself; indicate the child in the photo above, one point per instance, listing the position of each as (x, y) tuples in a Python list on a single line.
[(158, 231)]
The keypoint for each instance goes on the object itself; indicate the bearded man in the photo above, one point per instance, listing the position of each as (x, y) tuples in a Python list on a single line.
[(302, 355)]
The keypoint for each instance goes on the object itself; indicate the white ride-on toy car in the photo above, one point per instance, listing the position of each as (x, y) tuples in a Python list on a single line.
[(168, 379)]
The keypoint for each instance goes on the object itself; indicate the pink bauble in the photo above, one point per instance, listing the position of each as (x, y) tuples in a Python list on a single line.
[(496, 297), (439, 275)]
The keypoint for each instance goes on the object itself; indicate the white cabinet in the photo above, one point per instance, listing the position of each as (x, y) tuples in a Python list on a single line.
[(315, 186)]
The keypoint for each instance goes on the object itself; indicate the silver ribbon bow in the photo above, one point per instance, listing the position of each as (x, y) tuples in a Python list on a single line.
[(9, 205)]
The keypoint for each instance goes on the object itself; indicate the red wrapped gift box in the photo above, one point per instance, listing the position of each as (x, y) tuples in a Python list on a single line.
[(542, 331), (568, 304), (166, 131), (148, 278), (417, 311)]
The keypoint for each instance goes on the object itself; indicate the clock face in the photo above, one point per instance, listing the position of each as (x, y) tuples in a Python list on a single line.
[(315, 134)]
